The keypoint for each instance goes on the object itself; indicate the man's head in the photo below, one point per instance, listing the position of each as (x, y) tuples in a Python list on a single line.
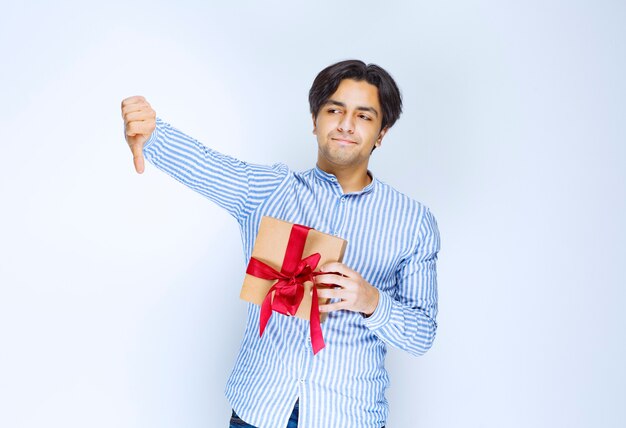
[(328, 80), (352, 105)]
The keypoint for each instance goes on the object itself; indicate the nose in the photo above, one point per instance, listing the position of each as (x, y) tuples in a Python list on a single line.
[(346, 124)]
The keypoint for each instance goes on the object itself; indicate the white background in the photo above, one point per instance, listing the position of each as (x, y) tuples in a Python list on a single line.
[(119, 293)]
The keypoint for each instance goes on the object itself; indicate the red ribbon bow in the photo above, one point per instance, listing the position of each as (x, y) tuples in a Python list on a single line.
[(288, 290)]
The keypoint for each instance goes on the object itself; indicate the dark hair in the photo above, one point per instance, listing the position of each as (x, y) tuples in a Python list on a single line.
[(327, 82)]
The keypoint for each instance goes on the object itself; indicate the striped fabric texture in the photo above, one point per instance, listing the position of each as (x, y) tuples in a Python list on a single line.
[(393, 243)]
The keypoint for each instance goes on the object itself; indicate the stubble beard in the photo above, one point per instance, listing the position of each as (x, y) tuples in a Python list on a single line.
[(343, 157)]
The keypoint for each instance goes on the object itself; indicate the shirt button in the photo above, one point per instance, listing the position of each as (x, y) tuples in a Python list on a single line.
[(301, 380), (343, 200)]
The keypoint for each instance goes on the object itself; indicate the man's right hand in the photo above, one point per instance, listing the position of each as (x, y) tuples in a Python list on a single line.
[(139, 123)]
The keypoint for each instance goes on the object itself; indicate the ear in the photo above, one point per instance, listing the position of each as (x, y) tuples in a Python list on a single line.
[(314, 124), (381, 134)]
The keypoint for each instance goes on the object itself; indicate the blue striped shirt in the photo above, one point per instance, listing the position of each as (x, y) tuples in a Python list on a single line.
[(392, 242)]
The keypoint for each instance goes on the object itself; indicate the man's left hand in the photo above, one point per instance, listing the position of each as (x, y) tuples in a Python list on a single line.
[(354, 293)]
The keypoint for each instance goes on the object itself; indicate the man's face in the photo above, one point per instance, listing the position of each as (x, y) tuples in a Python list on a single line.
[(347, 126)]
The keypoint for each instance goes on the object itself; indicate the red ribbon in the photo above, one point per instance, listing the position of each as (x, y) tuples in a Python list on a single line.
[(288, 290)]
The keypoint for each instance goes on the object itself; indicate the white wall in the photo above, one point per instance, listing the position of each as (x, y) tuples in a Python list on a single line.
[(119, 293)]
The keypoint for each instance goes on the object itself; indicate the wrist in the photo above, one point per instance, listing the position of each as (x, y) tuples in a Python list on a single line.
[(382, 314), (373, 303)]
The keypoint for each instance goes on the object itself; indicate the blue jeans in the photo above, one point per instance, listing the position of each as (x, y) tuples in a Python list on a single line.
[(236, 422)]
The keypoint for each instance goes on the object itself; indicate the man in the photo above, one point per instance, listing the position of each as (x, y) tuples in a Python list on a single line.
[(385, 291)]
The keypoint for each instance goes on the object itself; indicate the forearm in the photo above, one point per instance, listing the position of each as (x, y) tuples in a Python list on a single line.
[(406, 313), (407, 328), (232, 184)]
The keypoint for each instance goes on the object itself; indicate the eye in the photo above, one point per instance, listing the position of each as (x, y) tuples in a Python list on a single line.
[(333, 110), (364, 117)]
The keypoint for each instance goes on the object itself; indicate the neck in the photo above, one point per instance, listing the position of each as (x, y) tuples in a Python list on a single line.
[(350, 179)]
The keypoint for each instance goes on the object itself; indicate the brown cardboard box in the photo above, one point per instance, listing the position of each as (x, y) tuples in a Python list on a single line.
[(270, 246)]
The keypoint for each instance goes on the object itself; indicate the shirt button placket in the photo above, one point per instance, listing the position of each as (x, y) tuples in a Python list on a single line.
[(340, 215)]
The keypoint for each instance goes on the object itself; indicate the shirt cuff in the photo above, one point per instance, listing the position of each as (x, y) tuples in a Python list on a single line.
[(382, 313), (154, 135)]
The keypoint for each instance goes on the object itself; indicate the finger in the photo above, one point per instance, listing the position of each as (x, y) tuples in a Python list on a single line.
[(330, 307), (133, 110), (137, 151), (329, 293), (333, 279), (137, 106), (141, 112), (141, 127), (339, 268), (133, 100), (138, 115)]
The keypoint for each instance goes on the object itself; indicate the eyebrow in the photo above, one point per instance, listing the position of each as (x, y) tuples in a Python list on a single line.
[(360, 108)]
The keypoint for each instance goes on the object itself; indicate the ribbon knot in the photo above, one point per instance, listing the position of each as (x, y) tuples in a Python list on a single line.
[(287, 293)]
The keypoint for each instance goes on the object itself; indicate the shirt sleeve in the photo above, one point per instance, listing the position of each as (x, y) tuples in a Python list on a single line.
[(407, 320), (237, 186)]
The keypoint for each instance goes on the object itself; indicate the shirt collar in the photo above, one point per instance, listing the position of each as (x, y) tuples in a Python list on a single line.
[(330, 178)]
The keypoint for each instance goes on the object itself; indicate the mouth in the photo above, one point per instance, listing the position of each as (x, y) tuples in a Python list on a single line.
[(343, 141)]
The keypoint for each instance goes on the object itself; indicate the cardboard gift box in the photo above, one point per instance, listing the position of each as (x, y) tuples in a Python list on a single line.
[(284, 259)]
